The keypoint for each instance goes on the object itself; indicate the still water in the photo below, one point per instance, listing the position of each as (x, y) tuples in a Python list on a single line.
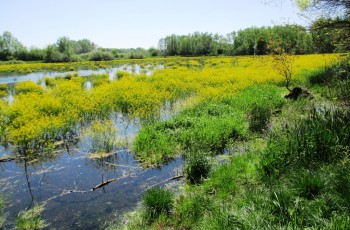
[(37, 76), (64, 182)]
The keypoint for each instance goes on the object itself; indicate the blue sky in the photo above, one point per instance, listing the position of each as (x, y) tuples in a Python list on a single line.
[(134, 23)]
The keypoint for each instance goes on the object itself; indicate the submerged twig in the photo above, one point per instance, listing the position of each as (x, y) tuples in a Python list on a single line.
[(108, 182), (164, 181)]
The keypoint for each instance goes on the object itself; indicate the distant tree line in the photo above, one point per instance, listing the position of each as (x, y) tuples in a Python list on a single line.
[(254, 41), (325, 35), (66, 50)]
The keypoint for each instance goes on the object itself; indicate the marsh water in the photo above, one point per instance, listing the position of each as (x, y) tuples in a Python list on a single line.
[(67, 182), (37, 76)]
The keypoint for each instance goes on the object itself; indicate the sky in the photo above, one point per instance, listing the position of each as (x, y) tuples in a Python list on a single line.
[(135, 23)]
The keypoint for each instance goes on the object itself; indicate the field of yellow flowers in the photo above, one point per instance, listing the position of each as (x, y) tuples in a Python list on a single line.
[(41, 115)]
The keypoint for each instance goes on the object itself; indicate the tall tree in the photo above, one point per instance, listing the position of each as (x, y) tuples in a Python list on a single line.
[(9, 46)]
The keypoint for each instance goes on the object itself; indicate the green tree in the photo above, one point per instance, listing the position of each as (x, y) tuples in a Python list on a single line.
[(10, 47), (84, 46)]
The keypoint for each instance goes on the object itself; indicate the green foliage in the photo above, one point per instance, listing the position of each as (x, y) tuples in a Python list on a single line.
[(208, 126), (30, 219), (259, 118), (299, 180), (308, 184), (323, 137), (334, 80), (10, 47), (197, 167), (3, 90), (190, 210), (157, 201), (28, 87), (100, 56)]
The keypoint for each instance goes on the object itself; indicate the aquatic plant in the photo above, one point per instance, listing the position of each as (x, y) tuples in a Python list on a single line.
[(157, 201), (30, 219), (103, 135)]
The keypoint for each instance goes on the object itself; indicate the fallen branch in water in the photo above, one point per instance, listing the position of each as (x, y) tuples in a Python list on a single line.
[(164, 181), (108, 182), (104, 184)]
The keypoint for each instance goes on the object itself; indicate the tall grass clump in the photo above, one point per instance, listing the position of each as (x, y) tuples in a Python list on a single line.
[(157, 201), (30, 219), (190, 209), (259, 118), (322, 137), (334, 81), (197, 167)]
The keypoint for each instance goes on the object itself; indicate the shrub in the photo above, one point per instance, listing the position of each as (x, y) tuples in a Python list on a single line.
[(100, 56), (197, 167), (157, 201)]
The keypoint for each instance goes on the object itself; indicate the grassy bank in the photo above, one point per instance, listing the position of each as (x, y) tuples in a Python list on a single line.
[(294, 175)]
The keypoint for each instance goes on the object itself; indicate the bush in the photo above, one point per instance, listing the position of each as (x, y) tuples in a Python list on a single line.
[(197, 167), (157, 201), (100, 56)]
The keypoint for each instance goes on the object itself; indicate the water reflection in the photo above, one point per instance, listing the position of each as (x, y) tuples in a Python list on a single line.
[(112, 72)]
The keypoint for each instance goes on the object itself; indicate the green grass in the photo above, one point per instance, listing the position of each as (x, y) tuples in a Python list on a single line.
[(296, 175), (197, 167), (157, 201), (208, 126)]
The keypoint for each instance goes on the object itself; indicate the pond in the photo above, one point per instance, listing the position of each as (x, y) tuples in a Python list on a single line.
[(73, 188), (37, 76)]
